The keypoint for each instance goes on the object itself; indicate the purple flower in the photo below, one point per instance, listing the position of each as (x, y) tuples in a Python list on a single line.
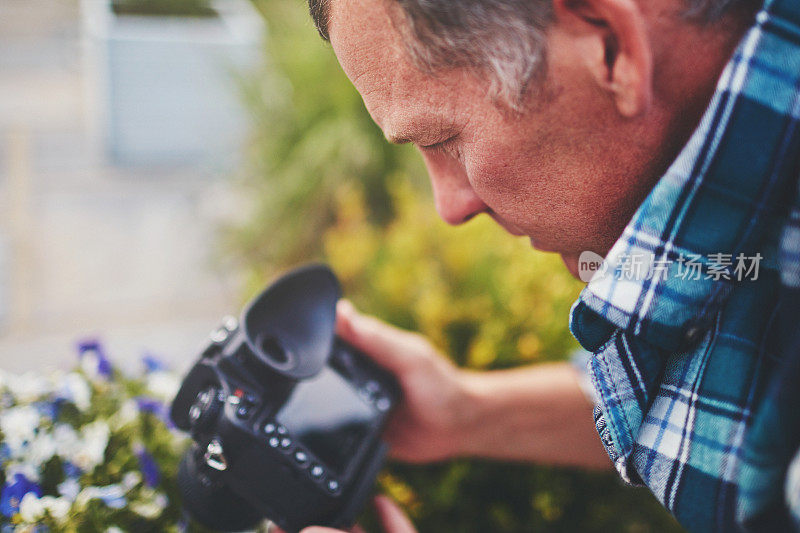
[(93, 348), (49, 409), (152, 363), (150, 405), (150, 470), (71, 470), (13, 491), (156, 407)]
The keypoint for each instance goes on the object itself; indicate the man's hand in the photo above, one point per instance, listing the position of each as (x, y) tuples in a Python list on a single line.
[(391, 517), (537, 413), (428, 422)]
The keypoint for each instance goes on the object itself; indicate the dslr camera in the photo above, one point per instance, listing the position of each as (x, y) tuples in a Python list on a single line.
[(286, 418)]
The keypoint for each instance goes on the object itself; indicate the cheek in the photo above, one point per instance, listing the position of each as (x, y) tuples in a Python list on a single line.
[(504, 177), (531, 189)]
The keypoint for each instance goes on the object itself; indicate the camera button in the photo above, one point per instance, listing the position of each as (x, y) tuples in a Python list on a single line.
[(230, 323), (333, 486), (274, 442), (219, 335), (300, 456), (317, 471), (286, 442), (269, 428), (281, 430), (372, 387), (383, 404)]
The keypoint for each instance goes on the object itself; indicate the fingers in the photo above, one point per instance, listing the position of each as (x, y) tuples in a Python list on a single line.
[(320, 529), (390, 347), (393, 519)]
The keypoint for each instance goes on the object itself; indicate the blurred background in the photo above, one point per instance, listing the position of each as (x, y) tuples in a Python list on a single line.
[(157, 171)]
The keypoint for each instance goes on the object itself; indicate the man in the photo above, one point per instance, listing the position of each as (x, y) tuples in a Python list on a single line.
[(652, 132)]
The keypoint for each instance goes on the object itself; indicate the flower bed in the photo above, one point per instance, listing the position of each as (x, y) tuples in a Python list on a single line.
[(89, 450)]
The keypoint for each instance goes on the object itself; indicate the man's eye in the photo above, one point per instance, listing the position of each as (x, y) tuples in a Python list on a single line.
[(440, 146)]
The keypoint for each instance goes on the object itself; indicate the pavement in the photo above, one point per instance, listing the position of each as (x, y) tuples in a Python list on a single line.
[(126, 254)]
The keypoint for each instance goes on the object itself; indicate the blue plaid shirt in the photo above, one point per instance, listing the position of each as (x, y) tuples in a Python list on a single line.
[(693, 321)]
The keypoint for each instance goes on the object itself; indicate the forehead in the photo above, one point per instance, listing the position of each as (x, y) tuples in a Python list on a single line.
[(372, 54), (363, 37), (370, 50)]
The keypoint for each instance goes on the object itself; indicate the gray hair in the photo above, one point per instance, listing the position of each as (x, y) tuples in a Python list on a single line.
[(504, 39)]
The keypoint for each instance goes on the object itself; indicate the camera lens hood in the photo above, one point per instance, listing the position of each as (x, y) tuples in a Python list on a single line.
[(290, 327)]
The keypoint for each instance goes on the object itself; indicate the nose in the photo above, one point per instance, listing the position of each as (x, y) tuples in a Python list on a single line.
[(455, 199)]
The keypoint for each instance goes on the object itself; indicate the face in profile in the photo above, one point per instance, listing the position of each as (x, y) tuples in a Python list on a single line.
[(567, 169)]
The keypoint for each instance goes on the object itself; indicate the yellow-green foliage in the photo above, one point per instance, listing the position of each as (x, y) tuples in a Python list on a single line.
[(487, 299)]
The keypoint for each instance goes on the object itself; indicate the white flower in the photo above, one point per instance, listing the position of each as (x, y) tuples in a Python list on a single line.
[(146, 510), (131, 479), (161, 500), (68, 443), (41, 449), (31, 508), (66, 440), (163, 385), (57, 507), (27, 469), (92, 451), (114, 529), (18, 425), (90, 363), (149, 510), (69, 489), (75, 389), (151, 505), (28, 387), (112, 495), (126, 414)]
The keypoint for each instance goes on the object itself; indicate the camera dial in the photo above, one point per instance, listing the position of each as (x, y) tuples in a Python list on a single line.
[(206, 407)]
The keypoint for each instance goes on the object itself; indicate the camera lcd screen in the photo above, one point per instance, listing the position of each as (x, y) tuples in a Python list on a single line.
[(327, 416)]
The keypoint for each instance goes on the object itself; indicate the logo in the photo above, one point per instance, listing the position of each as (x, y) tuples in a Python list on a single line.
[(590, 265)]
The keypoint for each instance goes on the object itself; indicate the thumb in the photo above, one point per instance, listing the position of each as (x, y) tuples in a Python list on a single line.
[(393, 519), (318, 529), (390, 347)]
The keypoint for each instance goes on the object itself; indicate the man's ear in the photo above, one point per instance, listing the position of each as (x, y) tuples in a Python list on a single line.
[(615, 44)]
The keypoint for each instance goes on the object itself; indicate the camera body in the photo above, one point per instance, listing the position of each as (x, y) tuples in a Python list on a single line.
[(286, 417)]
